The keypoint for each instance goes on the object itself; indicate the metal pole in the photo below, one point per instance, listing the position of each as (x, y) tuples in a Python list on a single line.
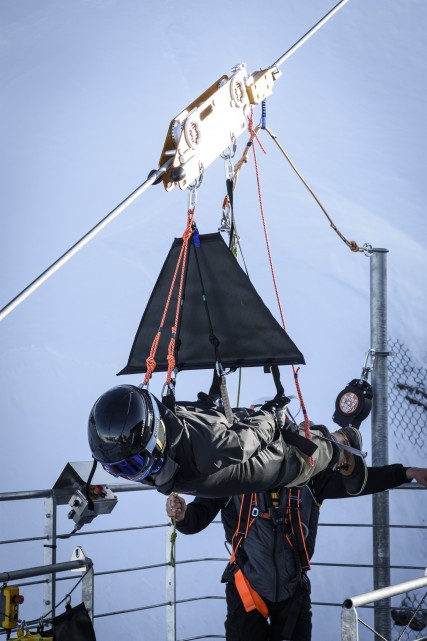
[(82, 242), (349, 617), (40, 570), (88, 590), (170, 590), (389, 591), (49, 588), (308, 35), (380, 501)]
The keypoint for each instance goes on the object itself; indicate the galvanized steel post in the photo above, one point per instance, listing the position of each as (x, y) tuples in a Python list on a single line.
[(170, 590), (380, 502), (49, 588)]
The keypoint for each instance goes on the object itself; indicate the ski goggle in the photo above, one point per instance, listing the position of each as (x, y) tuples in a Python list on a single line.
[(133, 468)]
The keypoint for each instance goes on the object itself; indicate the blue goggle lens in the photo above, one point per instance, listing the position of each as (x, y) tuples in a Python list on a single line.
[(129, 468)]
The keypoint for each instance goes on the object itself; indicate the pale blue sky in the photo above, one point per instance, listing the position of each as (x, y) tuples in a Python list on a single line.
[(88, 90)]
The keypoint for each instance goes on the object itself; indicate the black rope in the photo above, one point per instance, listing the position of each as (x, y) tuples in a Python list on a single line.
[(215, 343), (88, 482)]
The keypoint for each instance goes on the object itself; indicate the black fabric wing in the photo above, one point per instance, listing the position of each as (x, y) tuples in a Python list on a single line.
[(219, 300)]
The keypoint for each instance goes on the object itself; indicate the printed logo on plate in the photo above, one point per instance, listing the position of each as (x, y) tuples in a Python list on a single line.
[(349, 403)]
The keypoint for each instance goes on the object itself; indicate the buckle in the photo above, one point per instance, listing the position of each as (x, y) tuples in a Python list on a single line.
[(277, 515), (255, 512)]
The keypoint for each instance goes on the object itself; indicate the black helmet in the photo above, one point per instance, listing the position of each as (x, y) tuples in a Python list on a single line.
[(126, 434)]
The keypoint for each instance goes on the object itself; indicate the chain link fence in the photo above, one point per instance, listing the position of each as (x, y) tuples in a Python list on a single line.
[(407, 401), (407, 390)]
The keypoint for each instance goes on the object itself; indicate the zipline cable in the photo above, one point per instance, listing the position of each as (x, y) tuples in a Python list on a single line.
[(308, 35), (155, 176), (82, 242)]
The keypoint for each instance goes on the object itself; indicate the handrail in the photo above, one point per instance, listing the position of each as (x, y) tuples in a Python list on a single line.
[(78, 562), (26, 573), (349, 617), (385, 593)]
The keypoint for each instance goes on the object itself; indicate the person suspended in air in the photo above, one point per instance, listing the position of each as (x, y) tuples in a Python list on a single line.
[(194, 450)]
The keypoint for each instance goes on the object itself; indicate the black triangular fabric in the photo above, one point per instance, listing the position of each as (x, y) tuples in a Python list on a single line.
[(247, 332)]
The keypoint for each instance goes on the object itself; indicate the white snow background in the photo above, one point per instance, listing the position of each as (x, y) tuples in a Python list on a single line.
[(88, 88)]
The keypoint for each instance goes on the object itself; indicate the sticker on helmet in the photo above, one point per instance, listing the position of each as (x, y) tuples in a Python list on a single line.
[(349, 403)]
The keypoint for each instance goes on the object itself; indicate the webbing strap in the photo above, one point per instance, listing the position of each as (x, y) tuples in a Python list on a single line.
[(244, 522), (225, 399), (278, 383), (250, 598), (215, 343), (297, 535)]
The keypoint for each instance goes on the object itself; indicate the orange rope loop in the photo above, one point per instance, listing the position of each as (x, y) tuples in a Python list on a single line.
[(185, 239), (150, 361)]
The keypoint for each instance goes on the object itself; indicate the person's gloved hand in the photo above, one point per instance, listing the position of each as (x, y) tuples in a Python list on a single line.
[(277, 407)]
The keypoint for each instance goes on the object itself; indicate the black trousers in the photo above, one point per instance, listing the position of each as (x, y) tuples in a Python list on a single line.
[(290, 619)]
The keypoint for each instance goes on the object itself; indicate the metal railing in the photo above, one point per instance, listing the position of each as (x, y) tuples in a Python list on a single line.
[(172, 599), (349, 616)]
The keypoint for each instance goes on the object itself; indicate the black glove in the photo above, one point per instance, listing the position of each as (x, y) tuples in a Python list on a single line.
[(277, 407)]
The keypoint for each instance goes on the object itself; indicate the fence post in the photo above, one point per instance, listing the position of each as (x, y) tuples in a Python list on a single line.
[(349, 624), (49, 588), (170, 589), (380, 501)]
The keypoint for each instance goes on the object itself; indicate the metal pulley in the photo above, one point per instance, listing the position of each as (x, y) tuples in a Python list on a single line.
[(212, 122)]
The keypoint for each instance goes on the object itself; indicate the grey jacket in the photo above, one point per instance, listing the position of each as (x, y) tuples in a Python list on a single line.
[(207, 458)]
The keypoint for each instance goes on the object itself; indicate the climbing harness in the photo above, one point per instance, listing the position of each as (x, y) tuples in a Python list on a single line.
[(283, 513)]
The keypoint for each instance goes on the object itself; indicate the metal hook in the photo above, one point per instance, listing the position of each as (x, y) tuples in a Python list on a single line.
[(230, 151), (192, 190), (169, 388), (229, 168), (192, 197), (367, 249), (366, 369)]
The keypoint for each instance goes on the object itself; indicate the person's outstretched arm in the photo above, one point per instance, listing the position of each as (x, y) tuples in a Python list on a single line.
[(330, 484)]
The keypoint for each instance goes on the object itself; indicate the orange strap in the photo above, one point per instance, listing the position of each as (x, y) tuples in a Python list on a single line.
[(250, 598)]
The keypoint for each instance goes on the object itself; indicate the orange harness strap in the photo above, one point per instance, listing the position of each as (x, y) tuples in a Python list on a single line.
[(250, 598)]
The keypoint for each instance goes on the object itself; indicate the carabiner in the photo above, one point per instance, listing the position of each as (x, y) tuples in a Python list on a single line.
[(192, 197), (366, 369), (192, 190)]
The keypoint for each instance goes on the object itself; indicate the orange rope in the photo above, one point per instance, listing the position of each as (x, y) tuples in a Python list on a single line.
[(253, 136), (171, 349), (150, 361)]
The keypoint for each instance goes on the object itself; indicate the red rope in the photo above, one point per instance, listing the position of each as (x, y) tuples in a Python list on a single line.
[(182, 258), (253, 136)]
